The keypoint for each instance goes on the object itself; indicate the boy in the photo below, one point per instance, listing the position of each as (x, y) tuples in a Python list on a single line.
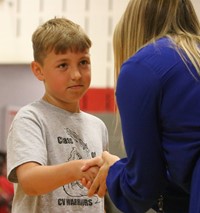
[(50, 139)]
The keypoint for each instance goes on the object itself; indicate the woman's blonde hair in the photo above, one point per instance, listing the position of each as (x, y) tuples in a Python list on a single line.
[(59, 35), (145, 21)]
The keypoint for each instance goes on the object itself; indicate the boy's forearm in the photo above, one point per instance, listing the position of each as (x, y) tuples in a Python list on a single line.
[(36, 179)]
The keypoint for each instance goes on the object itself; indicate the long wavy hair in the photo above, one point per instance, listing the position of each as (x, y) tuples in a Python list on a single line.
[(145, 21)]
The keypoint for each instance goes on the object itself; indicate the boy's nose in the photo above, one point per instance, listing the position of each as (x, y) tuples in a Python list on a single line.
[(75, 73)]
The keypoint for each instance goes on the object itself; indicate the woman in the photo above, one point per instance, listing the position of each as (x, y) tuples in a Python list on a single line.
[(157, 63)]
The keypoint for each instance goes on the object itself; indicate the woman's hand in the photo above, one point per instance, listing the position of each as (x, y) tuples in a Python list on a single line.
[(98, 186)]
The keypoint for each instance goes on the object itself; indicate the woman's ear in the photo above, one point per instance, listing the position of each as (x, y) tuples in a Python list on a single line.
[(37, 70)]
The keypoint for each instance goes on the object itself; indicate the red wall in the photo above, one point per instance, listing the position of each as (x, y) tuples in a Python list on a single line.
[(98, 100)]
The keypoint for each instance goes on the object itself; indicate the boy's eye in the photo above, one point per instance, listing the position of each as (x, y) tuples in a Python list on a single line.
[(63, 66), (85, 62)]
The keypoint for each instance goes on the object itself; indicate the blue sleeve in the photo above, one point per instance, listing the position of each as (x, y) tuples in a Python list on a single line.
[(195, 192), (134, 183)]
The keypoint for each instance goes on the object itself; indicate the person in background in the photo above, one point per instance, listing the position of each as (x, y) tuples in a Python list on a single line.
[(6, 187), (157, 65), (50, 139)]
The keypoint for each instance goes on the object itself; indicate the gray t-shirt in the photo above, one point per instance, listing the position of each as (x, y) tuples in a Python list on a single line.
[(48, 135)]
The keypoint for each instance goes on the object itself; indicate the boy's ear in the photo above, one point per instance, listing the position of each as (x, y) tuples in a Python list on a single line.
[(37, 70)]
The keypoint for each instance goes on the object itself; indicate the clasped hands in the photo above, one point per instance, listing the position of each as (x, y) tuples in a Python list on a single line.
[(98, 185)]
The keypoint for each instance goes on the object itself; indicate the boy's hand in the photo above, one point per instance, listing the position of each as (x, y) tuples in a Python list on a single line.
[(97, 161), (89, 175), (92, 167), (98, 186)]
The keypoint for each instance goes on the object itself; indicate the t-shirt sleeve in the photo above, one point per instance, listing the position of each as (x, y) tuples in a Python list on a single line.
[(25, 143), (136, 181)]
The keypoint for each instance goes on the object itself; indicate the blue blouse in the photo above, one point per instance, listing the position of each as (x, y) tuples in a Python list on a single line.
[(158, 96)]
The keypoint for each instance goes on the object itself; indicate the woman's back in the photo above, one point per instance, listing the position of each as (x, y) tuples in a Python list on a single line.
[(161, 113)]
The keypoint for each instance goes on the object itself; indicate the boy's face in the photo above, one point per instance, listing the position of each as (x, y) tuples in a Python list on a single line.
[(66, 78)]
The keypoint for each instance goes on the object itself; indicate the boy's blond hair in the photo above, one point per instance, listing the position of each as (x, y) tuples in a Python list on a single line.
[(60, 35)]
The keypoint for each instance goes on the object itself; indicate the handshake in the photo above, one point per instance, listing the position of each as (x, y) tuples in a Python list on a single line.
[(95, 172)]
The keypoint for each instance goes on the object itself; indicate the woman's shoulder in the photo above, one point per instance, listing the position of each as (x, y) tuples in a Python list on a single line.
[(155, 61), (159, 55), (159, 48)]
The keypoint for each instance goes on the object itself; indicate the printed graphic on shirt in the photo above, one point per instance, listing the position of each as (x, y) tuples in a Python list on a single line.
[(76, 192)]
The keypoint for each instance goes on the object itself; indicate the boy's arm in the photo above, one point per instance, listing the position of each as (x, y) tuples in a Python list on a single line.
[(36, 179)]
